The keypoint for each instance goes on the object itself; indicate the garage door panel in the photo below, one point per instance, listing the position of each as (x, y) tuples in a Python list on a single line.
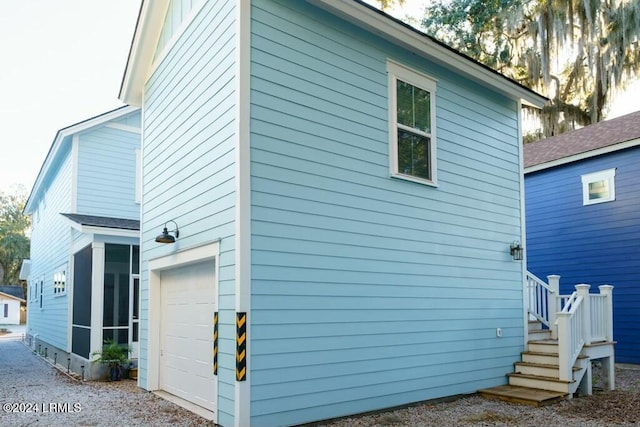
[(186, 341)]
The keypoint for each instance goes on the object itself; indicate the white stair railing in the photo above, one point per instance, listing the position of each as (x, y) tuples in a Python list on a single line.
[(571, 331), (541, 299)]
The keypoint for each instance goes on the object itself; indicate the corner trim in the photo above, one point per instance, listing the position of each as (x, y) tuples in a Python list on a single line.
[(242, 401)]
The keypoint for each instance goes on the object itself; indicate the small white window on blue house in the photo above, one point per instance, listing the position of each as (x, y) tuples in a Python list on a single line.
[(60, 281), (412, 124), (599, 187)]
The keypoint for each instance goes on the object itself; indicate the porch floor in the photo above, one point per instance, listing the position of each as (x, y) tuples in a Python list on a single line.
[(525, 395)]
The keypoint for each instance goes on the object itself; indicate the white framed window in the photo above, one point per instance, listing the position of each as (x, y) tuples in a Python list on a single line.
[(412, 129), (599, 187), (40, 293), (60, 281)]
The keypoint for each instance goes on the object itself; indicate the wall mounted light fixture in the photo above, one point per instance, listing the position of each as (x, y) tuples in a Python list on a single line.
[(165, 237), (515, 249)]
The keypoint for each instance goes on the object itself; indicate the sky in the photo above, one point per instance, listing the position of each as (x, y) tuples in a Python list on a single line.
[(62, 61)]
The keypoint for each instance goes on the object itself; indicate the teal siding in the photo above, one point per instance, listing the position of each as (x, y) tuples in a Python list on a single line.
[(369, 291), (177, 13), (106, 173), (189, 166), (50, 241)]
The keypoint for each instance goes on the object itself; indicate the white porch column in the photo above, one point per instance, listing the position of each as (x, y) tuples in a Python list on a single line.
[(608, 365), (583, 291), (554, 303), (607, 290), (97, 295)]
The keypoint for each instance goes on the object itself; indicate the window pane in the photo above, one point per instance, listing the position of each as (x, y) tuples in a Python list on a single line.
[(405, 103), (414, 109), (413, 155), (422, 108), (598, 189)]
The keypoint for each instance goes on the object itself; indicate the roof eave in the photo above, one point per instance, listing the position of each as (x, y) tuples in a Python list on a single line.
[(418, 42), (582, 156), (140, 59), (12, 297)]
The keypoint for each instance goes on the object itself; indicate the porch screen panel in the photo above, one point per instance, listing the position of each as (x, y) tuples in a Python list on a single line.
[(81, 328), (116, 293)]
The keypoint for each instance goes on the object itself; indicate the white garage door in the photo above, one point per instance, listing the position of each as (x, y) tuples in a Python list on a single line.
[(186, 338)]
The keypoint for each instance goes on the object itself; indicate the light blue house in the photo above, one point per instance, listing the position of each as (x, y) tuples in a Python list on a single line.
[(342, 191), (83, 274)]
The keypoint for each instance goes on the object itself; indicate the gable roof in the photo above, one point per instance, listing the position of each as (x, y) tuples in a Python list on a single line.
[(63, 137), (149, 27), (13, 291), (593, 140)]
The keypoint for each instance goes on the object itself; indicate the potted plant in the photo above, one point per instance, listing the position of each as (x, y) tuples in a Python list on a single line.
[(115, 356)]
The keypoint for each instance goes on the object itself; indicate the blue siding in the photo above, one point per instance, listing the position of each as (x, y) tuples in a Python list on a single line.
[(106, 173), (595, 244), (368, 291), (50, 241), (189, 167)]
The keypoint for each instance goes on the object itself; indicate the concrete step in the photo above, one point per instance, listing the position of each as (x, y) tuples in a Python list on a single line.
[(525, 395), (540, 382)]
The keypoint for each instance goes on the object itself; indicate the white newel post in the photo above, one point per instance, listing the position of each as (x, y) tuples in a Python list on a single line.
[(583, 291), (565, 368), (554, 303), (607, 291)]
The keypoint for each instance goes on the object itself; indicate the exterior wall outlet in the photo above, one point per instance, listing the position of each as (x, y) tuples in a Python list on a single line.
[(499, 332)]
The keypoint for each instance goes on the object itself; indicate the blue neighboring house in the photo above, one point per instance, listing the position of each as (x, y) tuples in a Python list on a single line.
[(583, 216), (83, 271), (329, 197)]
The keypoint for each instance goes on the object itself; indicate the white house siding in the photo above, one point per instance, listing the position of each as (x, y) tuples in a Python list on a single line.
[(369, 291), (106, 173), (13, 310), (50, 242), (188, 170)]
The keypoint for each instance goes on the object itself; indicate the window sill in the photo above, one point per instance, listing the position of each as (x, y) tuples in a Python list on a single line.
[(63, 294), (414, 179)]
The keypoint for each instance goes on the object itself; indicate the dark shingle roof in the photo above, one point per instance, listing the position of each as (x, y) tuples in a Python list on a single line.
[(15, 291), (589, 138), (102, 221)]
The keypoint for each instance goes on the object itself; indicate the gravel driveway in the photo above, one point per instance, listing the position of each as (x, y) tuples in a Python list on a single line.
[(29, 384), (60, 401)]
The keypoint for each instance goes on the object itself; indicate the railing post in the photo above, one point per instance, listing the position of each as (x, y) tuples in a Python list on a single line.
[(554, 303), (564, 344), (607, 291), (583, 291)]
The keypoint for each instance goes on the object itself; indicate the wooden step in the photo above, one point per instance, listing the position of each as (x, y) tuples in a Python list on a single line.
[(542, 358), (541, 369), (534, 325), (540, 382), (539, 334), (524, 395), (543, 346)]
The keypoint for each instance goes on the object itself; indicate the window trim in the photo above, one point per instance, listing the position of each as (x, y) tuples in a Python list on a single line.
[(603, 175), (397, 71)]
